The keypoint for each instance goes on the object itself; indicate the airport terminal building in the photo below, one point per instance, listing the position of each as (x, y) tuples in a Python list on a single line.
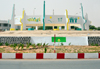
[(4, 25)]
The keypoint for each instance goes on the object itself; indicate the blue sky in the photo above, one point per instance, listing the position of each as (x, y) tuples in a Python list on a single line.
[(91, 7)]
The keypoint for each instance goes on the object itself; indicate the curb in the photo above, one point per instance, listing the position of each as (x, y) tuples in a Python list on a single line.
[(49, 55)]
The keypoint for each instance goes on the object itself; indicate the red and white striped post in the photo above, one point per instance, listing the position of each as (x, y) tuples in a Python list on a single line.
[(54, 43)]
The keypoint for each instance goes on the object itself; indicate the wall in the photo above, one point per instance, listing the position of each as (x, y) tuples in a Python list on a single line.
[(36, 19), (2, 27), (94, 40), (12, 40), (65, 40), (69, 40), (55, 19)]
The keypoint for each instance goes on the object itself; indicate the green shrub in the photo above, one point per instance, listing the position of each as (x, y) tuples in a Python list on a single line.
[(22, 46), (26, 28), (11, 45), (1, 44), (27, 43), (39, 44), (69, 44), (33, 45), (19, 46), (62, 44), (45, 50), (96, 45), (16, 29), (43, 44), (47, 44), (6, 44), (92, 44), (14, 46), (28, 46)]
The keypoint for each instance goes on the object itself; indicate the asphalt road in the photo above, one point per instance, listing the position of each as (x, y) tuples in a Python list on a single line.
[(50, 64)]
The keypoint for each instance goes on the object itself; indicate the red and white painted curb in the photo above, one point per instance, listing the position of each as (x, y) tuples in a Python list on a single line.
[(49, 55)]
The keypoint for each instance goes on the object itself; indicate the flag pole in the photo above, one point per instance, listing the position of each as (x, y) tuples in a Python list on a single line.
[(54, 42)]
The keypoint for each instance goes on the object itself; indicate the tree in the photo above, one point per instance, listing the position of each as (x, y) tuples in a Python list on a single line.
[(46, 28), (72, 27), (40, 28), (49, 28), (92, 27), (63, 27), (33, 27), (76, 28), (98, 28)]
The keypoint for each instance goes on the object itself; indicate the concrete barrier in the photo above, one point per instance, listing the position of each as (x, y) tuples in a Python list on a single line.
[(29, 55), (19, 55), (80, 55), (71, 55), (98, 55), (0, 55), (39, 55), (8, 55), (91, 55), (50, 55), (60, 55)]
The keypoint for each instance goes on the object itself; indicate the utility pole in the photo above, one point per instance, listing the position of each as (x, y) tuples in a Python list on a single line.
[(53, 14), (53, 11), (34, 11), (34, 14)]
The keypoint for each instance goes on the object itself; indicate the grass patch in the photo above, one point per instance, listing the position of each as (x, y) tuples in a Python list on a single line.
[(93, 52), (9, 52), (95, 48)]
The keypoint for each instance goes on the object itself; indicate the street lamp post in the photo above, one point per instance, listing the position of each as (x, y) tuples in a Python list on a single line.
[(34, 14), (54, 42), (34, 11)]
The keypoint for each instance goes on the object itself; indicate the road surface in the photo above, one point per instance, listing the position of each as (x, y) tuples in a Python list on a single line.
[(50, 64)]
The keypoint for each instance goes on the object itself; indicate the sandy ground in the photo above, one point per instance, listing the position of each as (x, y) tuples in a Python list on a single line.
[(50, 33), (50, 49)]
